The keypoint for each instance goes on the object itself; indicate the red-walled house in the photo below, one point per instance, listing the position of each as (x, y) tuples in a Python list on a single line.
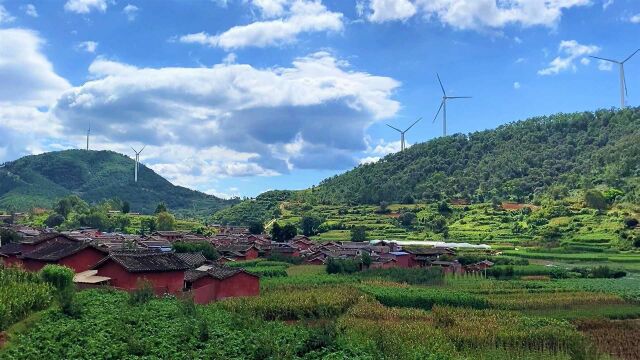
[(215, 282), (384, 263), (422, 257), (165, 271), (301, 242), (403, 259), (170, 236), (239, 251), (79, 256), (36, 242), (9, 254), (284, 250)]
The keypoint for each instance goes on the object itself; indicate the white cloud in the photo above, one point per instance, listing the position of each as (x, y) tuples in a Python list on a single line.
[(311, 115), (27, 76), (605, 65), (607, 3), (87, 46), (635, 19), (585, 61), (29, 83), (130, 11), (301, 17), (520, 60), (271, 8), (476, 14), (230, 58), (517, 40), (5, 17), (30, 10), (390, 10), (370, 160), (85, 6), (516, 85), (570, 51)]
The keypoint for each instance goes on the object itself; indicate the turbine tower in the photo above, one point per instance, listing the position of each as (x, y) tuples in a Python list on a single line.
[(443, 106), (137, 161), (623, 80), (402, 143), (88, 134)]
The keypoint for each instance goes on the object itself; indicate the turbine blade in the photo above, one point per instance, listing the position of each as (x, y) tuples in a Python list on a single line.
[(394, 128), (630, 56), (458, 97), (134, 150), (438, 113), (413, 124), (441, 86), (609, 60), (142, 148)]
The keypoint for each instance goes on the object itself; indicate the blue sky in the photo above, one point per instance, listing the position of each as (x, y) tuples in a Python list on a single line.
[(237, 97)]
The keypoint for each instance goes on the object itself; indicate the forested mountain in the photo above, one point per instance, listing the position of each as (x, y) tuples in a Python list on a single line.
[(38, 180), (515, 161)]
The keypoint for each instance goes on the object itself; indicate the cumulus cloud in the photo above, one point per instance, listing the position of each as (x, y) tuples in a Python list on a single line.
[(516, 85), (30, 10), (635, 19), (130, 11), (389, 10), (87, 46), (29, 85), (475, 14), (85, 6), (606, 4), (570, 51), (311, 115), (5, 16), (300, 16)]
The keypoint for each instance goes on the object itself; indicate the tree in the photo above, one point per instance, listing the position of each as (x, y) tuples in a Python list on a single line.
[(207, 250), (54, 220), (383, 208), (407, 219), (366, 259), (443, 207), (70, 203), (166, 221), (147, 225), (126, 207), (8, 236), (276, 232), (309, 225), (256, 227), (358, 233), (162, 207), (289, 231), (630, 222), (595, 200)]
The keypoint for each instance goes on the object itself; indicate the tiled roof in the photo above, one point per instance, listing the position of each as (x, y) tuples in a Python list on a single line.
[(215, 271), (236, 248), (192, 259), (57, 250), (45, 237), (10, 249), (145, 261)]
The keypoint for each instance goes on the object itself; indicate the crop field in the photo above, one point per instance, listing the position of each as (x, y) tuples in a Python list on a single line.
[(375, 314)]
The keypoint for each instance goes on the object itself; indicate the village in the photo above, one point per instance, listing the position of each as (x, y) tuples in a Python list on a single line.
[(121, 260)]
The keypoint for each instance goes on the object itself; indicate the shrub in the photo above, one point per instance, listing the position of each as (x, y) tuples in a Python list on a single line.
[(630, 222), (61, 277), (142, 293)]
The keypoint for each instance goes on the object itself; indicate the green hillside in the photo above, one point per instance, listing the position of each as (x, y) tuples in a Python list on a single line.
[(513, 162), (38, 180)]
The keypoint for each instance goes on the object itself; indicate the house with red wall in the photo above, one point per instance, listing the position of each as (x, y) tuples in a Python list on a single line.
[(79, 256), (403, 259), (165, 271), (239, 251), (214, 282)]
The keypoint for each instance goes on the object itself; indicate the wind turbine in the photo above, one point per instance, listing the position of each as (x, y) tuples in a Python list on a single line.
[(623, 80), (137, 161), (443, 106), (88, 134), (402, 144)]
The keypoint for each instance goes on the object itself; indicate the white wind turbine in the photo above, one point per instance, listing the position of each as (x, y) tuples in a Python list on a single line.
[(443, 106), (402, 143), (88, 133), (137, 161), (623, 80)]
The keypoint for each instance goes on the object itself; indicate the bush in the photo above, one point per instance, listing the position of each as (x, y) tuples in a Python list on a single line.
[(342, 266), (630, 222), (358, 233), (61, 277), (142, 293), (207, 250)]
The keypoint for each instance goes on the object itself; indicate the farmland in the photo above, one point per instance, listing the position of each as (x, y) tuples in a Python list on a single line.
[(308, 314)]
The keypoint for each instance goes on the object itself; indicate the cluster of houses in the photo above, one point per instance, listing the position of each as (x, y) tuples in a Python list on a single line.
[(122, 260)]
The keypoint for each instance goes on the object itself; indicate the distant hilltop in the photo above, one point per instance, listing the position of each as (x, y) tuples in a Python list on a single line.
[(39, 180)]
